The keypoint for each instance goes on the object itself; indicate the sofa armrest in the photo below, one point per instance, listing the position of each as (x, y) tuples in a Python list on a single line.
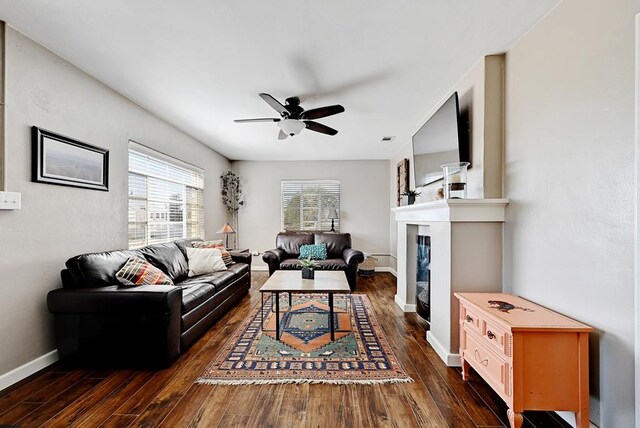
[(146, 299), (276, 255), (352, 257), (241, 257), (273, 258)]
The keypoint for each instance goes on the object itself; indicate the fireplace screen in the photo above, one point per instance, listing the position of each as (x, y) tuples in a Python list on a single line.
[(423, 277)]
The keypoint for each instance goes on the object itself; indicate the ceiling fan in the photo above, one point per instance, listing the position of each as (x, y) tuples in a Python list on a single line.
[(293, 118)]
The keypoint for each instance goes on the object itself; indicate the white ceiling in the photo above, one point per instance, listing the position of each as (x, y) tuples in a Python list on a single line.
[(199, 64)]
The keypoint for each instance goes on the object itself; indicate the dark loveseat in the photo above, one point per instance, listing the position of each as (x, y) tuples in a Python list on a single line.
[(340, 256), (99, 322)]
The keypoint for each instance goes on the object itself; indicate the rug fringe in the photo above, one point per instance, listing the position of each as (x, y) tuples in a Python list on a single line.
[(205, 381)]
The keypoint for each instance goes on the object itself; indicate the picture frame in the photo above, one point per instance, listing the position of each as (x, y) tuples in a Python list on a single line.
[(403, 179), (63, 161)]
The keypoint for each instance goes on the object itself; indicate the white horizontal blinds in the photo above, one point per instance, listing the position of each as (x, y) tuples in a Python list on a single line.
[(306, 204), (166, 200)]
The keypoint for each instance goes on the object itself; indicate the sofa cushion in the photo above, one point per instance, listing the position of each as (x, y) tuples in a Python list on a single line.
[(331, 264), (204, 261), (291, 242), (289, 264), (313, 252), (336, 242), (98, 269), (168, 258), (218, 245), (195, 294), (137, 271)]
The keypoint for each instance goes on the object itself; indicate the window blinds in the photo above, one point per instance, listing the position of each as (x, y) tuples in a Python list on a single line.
[(306, 204), (166, 199)]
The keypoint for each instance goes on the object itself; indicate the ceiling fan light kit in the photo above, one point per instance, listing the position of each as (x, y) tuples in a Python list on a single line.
[(294, 118), (291, 126)]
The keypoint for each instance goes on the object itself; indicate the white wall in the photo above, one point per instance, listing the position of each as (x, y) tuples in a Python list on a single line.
[(364, 201), (569, 236), (57, 222)]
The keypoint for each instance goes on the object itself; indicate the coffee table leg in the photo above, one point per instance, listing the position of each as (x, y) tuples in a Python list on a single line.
[(261, 311), (333, 336), (277, 316), (289, 300)]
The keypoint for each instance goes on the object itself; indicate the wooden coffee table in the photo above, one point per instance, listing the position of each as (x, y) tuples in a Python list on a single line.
[(290, 281)]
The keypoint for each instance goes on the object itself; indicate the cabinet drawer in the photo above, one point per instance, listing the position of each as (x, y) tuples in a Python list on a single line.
[(497, 338), (493, 369), (470, 319)]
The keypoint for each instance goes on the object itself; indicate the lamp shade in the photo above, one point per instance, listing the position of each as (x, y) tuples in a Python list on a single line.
[(333, 214), (226, 229)]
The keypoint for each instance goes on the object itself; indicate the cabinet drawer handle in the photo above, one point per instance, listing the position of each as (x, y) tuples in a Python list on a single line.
[(490, 334), (469, 319), (476, 355)]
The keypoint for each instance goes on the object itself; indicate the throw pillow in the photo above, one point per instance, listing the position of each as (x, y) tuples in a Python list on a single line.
[(313, 252), (203, 261), (218, 245), (137, 271)]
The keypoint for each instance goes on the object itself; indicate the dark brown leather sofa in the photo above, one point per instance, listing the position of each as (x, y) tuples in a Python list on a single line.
[(340, 254), (99, 322)]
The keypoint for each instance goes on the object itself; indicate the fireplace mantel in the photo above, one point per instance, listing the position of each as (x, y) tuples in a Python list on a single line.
[(466, 256), (453, 210)]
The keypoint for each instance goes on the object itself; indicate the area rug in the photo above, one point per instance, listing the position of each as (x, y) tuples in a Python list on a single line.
[(305, 353)]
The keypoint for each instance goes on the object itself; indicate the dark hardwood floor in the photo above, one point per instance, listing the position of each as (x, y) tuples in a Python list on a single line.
[(60, 396)]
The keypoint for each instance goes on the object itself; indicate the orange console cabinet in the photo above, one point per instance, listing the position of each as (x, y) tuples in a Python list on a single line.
[(534, 358)]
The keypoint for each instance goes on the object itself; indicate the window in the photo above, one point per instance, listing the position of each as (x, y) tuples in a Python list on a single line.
[(166, 198), (306, 204)]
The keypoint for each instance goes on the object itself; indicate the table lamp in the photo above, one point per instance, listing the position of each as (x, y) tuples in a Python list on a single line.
[(333, 215), (226, 229)]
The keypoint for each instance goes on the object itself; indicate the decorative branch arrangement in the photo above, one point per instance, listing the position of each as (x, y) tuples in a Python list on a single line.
[(232, 199)]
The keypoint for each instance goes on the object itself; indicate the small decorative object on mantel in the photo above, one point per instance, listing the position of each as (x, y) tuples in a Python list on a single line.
[(409, 197), (308, 267), (232, 198), (61, 160), (402, 184), (455, 180), (439, 193)]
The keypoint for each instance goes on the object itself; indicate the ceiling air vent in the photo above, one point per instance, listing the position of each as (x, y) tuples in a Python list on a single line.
[(387, 139)]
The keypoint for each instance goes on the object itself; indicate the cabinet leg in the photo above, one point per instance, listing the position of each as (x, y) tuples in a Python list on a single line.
[(515, 419), (465, 369), (582, 419)]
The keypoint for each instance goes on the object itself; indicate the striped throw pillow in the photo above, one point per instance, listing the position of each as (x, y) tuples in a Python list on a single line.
[(137, 271), (218, 245)]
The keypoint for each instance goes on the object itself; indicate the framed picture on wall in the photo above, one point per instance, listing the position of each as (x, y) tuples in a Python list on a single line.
[(403, 179), (61, 160)]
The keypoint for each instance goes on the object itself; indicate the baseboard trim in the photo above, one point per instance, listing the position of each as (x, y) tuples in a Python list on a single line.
[(26, 370), (387, 269), (404, 306), (260, 268), (451, 360)]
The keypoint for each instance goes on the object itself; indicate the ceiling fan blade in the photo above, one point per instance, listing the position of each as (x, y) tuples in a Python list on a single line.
[(318, 127), (317, 113), (262, 119), (275, 104), (282, 135)]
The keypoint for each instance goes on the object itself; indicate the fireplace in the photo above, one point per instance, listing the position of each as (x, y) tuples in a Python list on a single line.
[(423, 277)]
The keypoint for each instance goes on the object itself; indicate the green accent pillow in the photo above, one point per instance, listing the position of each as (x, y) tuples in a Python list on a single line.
[(313, 252)]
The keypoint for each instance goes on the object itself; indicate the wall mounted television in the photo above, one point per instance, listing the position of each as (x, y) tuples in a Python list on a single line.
[(442, 139)]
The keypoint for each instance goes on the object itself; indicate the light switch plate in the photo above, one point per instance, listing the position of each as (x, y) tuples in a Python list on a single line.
[(10, 201)]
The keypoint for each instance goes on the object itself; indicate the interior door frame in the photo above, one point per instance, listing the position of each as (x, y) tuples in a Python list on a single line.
[(637, 222)]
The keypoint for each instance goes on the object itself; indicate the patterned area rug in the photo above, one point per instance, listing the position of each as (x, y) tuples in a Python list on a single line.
[(305, 352)]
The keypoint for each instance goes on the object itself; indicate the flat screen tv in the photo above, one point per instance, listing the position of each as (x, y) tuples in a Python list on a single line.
[(442, 139)]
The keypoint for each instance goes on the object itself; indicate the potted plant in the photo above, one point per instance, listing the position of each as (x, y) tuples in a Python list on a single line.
[(308, 267), (410, 196)]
